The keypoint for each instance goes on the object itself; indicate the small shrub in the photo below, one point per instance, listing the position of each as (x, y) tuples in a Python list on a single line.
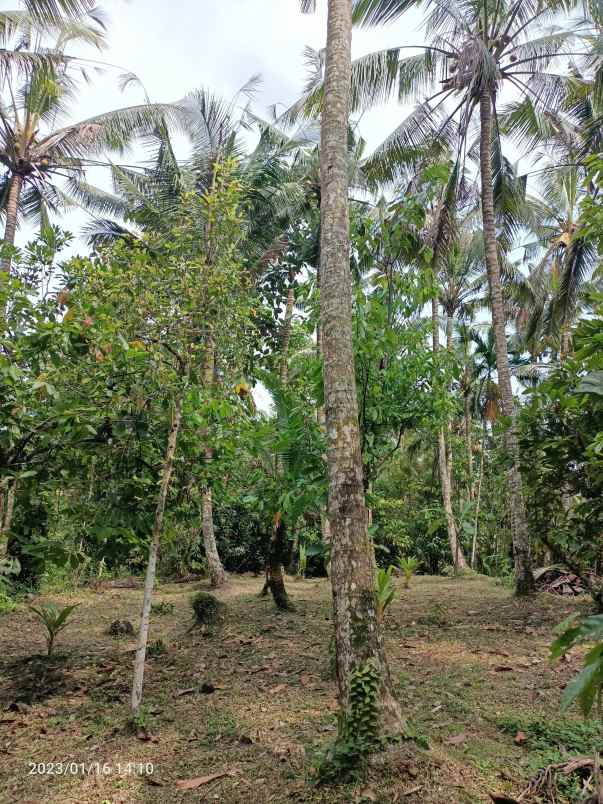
[(7, 603), (156, 648), (121, 628), (437, 615), (408, 567), (161, 608), (208, 610), (54, 620)]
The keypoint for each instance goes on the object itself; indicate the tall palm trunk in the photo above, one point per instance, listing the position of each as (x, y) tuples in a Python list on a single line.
[(278, 549), (325, 525), (444, 471), (517, 512), (478, 498), (358, 637), (217, 575), (468, 444), (149, 583), (12, 210), (286, 334)]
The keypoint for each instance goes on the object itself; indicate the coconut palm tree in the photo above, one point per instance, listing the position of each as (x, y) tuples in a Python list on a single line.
[(44, 161), (562, 261), (358, 638), (476, 50), (55, 10)]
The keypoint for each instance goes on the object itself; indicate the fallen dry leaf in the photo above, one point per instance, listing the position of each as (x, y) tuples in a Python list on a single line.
[(194, 784), (520, 738)]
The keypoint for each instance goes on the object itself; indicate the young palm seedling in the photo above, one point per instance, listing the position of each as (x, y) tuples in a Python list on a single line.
[(54, 620), (408, 567)]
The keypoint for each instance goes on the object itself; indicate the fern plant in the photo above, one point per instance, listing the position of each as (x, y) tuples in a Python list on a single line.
[(408, 567), (587, 686), (54, 620), (385, 591)]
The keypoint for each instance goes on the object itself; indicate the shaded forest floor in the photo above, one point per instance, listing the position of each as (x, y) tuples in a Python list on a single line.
[(469, 663)]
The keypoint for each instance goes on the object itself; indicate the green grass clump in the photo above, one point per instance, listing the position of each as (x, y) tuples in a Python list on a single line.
[(555, 736)]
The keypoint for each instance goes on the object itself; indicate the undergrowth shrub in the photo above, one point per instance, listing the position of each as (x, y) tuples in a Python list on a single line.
[(208, 610)]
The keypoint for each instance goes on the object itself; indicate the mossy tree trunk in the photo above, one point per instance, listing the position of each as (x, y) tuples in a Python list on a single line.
[(358, 637)]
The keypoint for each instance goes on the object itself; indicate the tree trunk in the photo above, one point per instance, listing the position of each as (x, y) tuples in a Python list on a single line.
[(458, 558), (217, 575), (286, 335), (358, 638), (517, 512), (12, 211), (7, 507), (468, 444), (478, 497), (143, 633), (277, 558), (322, 423)]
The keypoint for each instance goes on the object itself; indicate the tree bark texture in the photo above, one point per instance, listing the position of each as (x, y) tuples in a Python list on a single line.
[(517, 512), (12, 212)]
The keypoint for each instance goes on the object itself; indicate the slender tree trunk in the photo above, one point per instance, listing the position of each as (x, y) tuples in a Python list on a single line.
[(478, 497), (277, 558), (217, 575), (469, 445), (6, 516), (456, 551), (286, 335), (279, 553), (12, 210), (517, 512), (284, 376), (143, 633), (358, 637)]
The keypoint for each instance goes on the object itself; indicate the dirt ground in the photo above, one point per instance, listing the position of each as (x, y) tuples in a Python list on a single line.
[(468, 661)]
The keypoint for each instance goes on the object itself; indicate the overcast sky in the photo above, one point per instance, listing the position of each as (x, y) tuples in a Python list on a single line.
[(177, 46)]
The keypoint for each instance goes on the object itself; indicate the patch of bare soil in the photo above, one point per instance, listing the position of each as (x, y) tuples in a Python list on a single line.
[(239, 714)]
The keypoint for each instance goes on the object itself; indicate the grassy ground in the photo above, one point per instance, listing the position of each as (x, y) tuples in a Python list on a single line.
[(469, 663)]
